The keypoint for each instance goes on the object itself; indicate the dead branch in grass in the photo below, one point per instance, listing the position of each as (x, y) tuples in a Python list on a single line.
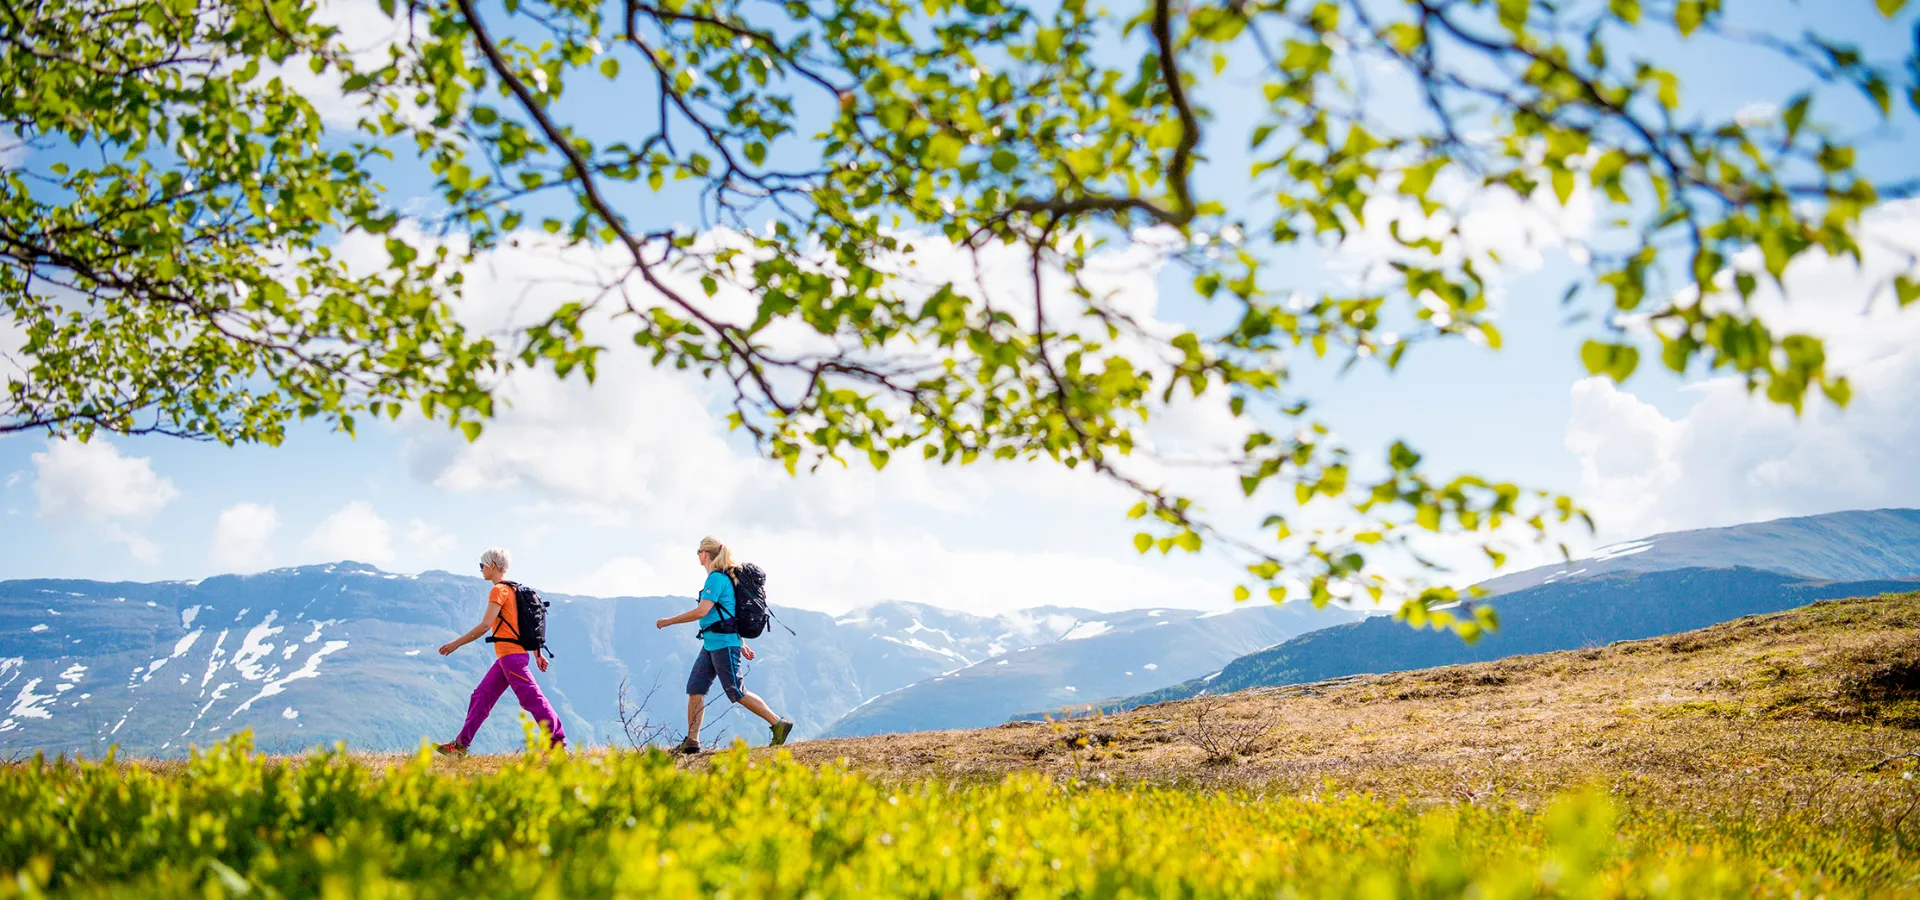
[(1220, 736), (636, 720)]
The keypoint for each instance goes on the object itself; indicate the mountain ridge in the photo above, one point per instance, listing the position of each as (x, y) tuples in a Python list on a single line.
[(1537, 619), (1865, 548)]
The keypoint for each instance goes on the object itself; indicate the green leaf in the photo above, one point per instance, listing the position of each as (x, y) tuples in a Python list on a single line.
[(1688, 15), (1513, 14), (1616, 361), (1906, 289), (1563, 184)]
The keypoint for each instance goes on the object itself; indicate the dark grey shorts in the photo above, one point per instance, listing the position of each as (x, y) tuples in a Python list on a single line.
[(725, 663)]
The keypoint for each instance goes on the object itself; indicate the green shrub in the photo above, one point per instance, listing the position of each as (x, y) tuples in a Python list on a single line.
[(632, 824)]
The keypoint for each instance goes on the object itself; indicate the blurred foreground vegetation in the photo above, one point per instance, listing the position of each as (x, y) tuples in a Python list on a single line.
[(236, 823)]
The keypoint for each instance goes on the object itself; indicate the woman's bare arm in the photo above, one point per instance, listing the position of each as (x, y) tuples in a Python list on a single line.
[(487, 619)]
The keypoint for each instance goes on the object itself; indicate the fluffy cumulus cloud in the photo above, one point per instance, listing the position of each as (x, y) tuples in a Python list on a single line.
[(354, 531), (243, 538), (91, 485), (92, 482), (425, 539), (1496, 229), (1732, 457), (367, 32)]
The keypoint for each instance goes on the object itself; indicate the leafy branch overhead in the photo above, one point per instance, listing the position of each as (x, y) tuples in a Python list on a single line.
[(169, 244)]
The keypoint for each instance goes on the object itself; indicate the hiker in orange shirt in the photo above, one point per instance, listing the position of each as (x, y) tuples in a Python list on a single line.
[(509, 670)]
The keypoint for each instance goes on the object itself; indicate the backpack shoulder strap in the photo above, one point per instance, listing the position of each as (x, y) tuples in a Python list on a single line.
[(502, 621), (725, 613)]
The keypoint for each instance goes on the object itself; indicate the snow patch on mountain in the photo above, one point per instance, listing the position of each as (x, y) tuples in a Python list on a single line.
[(310, 670), (246, 660), (216, 659), (1615, 551), (917, 627), (219, 694), (925, 647), (1083, 630), (180, 648), (30, 705)]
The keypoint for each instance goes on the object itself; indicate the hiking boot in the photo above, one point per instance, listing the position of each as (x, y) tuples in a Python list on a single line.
[(688, 747), (781, 729), (450, 749)]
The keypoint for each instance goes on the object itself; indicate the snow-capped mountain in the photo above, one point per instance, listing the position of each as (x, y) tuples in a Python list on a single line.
[(1091, 658), (1855, 545)]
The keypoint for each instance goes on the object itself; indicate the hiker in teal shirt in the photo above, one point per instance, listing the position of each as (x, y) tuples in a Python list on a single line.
[(720, 652)]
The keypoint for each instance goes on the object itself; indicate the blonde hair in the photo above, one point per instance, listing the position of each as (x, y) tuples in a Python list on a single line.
[(719, 558)]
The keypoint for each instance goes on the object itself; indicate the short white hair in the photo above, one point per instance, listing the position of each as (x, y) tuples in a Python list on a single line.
[(495, 557)]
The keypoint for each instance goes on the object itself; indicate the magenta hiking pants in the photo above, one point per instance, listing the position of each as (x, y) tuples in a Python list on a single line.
[(510, 672)]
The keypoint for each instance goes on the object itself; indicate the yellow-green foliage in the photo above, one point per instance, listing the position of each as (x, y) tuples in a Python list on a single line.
[(633, 825)]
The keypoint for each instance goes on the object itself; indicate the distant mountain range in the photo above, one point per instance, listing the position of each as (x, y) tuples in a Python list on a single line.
[(319, 654), (1661, 585), (1856, 545), (1117, 653)]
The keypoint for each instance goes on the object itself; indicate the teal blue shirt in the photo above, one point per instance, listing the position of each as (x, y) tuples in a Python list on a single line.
[(719, 589)]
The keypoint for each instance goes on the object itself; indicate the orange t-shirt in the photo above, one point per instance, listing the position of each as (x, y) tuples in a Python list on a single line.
[(509, 624)]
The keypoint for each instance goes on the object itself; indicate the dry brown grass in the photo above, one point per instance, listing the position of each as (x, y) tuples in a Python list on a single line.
[(1761, 715)]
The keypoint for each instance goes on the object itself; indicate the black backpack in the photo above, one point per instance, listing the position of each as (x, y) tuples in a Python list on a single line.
[(531, 612), (750, 613)]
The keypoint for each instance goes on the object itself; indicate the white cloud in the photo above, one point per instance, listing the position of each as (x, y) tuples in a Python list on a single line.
[(624, 576), (1733, 457), (427, 539), (138, 546), (243, 538), (354, 532), (92, 482), (1498, 230), (368, 34)]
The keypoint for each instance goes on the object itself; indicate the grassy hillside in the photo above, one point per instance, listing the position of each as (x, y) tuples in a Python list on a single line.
[(1585, 612), (1773, 756), (1788, 710)]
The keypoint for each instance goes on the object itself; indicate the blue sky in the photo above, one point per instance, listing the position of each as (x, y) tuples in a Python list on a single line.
[(607, 490)]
